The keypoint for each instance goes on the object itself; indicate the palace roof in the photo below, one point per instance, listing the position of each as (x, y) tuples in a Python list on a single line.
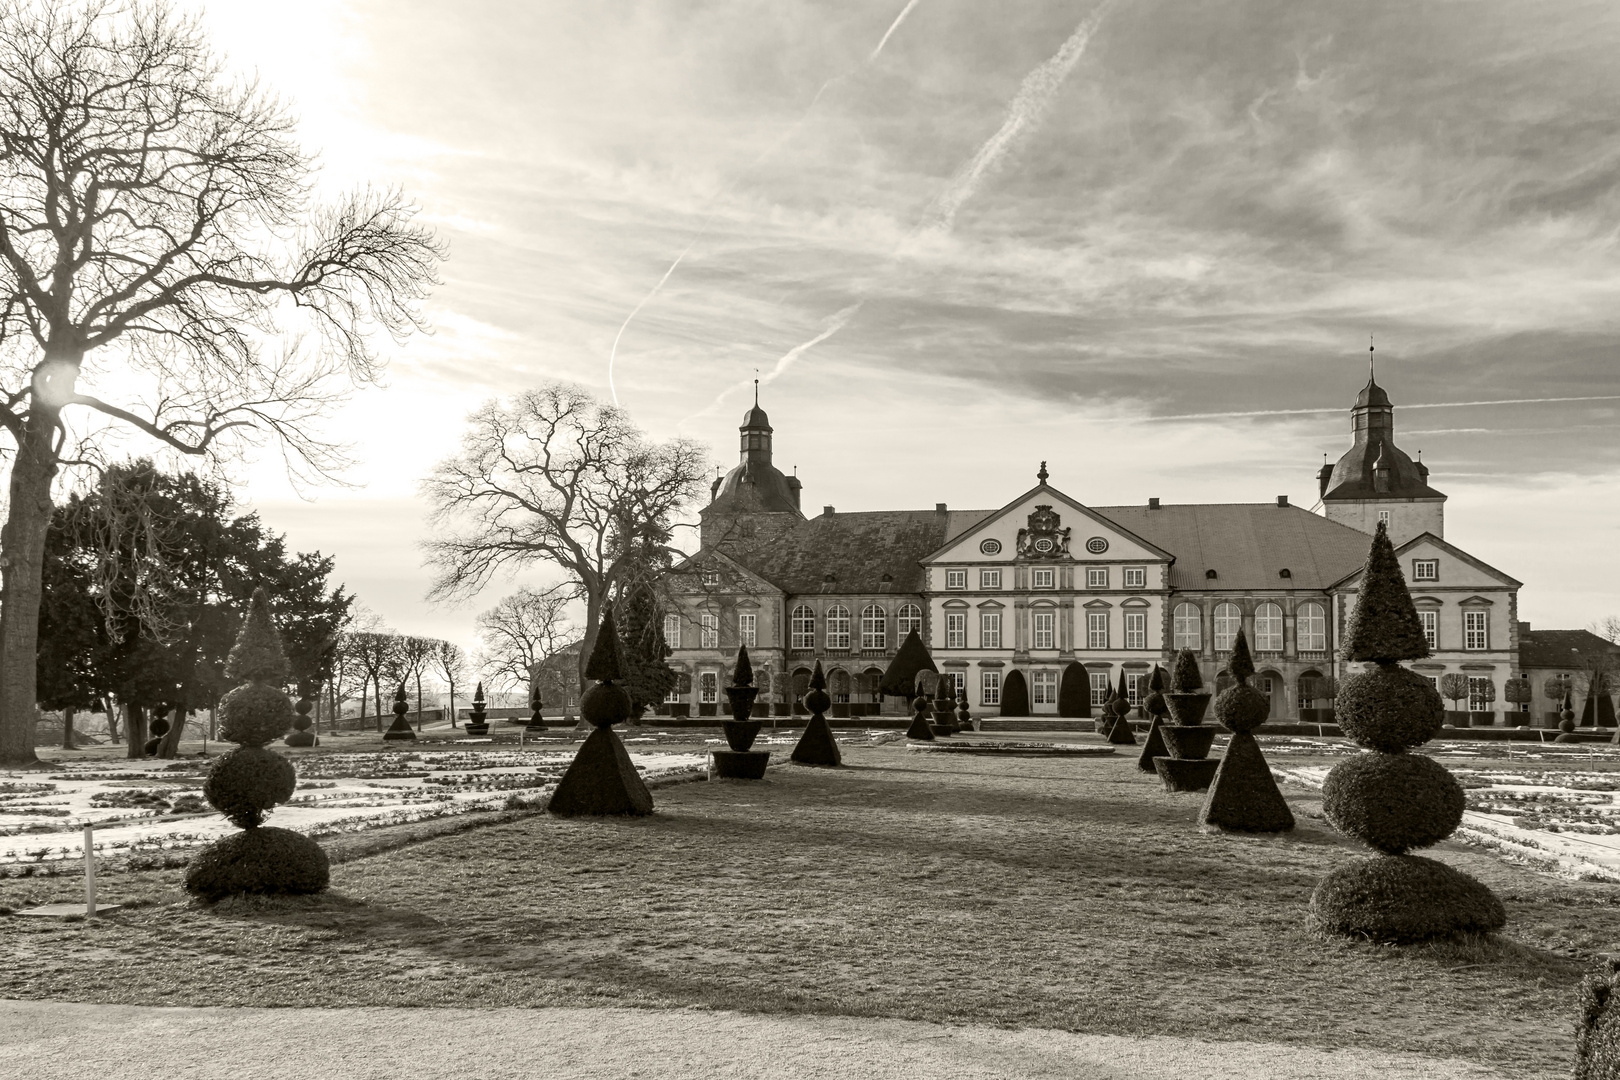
[(857, 550), (1561, 650)]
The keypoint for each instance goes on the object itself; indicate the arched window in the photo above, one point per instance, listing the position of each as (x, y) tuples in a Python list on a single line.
[(1228, 621), (1310, 628), (909, 619), (1268, 628), (874, 627), (838, 627), (1188, 631), (804, 627)]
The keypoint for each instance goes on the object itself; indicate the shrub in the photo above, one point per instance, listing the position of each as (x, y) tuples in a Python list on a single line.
[(1015, 694), (1393, 802), (265, 860), (1404, 898), (1389, 709), (900, 680), (257, 656), (1384, 626), (1074, 691), (253, 714), (1185, 677), (247, 783), (1243, 797), (1597, 1032)]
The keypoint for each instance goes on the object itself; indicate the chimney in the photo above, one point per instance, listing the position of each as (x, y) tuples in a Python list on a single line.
[(826, 511), (939, 508), (1153, 503), (1282, 500)]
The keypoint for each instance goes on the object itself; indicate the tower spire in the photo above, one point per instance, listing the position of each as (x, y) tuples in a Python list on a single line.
[(1370, 376)]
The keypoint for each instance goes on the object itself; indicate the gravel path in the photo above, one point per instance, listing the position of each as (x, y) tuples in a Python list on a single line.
[(45, 1039)]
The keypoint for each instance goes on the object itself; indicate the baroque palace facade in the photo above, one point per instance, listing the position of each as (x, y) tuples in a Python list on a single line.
[(1046, 580)]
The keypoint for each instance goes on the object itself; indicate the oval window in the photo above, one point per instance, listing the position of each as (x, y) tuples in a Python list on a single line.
[(991, 547), (1097, 545)]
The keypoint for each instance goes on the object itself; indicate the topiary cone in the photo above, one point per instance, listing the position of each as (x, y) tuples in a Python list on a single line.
[(400, 730), (817, 745), (1121, 734), (1243, 796), (602, 780)]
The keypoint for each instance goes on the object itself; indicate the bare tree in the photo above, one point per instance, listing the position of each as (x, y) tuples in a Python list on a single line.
[(376, 656), (156, 229), (522, 630), (1607, 628), (450, 664), (555, 476), (415, 653)]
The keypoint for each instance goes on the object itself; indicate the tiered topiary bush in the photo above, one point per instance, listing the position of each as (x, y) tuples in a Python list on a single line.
[(817, 745), (1154, 705), (1074, 692), (478, 719), (1121, 732), (1566, 721), (922, 714), (301, 735), (601, 780), (1015, 694), (1392, 800), (250, 781), (741, 761), (400, 730), (1243, 797), (1597, 1032)]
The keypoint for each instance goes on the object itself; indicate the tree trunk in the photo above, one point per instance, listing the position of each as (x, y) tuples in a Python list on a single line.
[(67, 729), (170, 746), (452, 703), (22, 545), (419, 702), (135, 730), (112, 707)]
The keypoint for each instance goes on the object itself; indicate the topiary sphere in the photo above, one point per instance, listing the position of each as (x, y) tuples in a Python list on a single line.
[(604, 704), (258, 861), (1393, 802), (247, 782), (817, 700), (253, 714), (1404, 898), (1242, 707), (1389, 708)]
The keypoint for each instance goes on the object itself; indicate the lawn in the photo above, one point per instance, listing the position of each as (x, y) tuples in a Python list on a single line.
[(1042, 892)]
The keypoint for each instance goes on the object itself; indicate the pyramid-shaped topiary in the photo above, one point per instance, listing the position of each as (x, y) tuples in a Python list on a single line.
[(1015, 694), (900, 678), (1393, 800), (1074, 691), (817, 745), (601, 780), (1119, 706), (1243, 796), (250, 781), (1154, 705)]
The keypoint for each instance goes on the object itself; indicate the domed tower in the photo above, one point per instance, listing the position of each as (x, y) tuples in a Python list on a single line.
[(754, 500), (1375, 480)]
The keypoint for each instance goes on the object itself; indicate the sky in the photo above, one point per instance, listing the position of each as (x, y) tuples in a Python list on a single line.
[(1146, 242)]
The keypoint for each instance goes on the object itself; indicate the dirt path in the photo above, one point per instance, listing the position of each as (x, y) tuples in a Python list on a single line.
[(44, 1039)]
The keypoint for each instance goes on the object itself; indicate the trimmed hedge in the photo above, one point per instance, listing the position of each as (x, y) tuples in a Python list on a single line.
[(1389, 708), (900, 679), (1243, 797), (817, 745), (1597, 1032), (1393, 802), (254, 713), (1074, 691), (247, 783), (1185, 677), (1015, 694), (258, 861), (1404, 898), (1384, 625), (601, 780), (604, 663), (1152, 747), (1242, 707)]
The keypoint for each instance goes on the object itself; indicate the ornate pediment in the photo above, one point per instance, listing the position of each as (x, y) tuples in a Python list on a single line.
[(1045, 538)]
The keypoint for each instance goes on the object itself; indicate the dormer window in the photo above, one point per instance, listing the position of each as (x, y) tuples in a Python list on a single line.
[(1383, 517), (711, 577), (1425, 569)]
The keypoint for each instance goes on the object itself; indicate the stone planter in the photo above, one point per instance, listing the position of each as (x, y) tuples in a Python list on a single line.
[(1456, 718), (840, 711), (681, 708), (1482, 719), (707, 709)]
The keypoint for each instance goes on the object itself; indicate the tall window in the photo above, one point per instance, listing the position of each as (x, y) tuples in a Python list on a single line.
[(1096, 629), (1425, 569), (708, 688), (838, 627), (989, 579), (672, 631), (1045, 635), (1228, 620), (1100, 688), (908, 618), (874, 628), (1136, 630), (1134, 685), (1478, 687), (711, 630), (1310, 628), (1096, 577), (804, 627), (1268, 628), (1431, 628), (747, 626), (1043, 688), (1187, 631), (989, 629), (990, 688), (1383, 516), (1043, 578), (1136, 577), (956, 629), (1476, 634), (956, 579)]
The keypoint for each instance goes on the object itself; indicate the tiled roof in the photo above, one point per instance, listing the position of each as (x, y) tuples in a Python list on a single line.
[(1353, 476), (1247, 544), (1558, 649), (856, 549)]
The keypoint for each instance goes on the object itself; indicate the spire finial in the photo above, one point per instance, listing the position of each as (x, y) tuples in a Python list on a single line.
[(756, 390), (1043, 474), (1370, 358)]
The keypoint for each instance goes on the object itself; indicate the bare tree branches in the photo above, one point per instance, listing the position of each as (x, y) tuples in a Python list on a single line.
[(522, 630)]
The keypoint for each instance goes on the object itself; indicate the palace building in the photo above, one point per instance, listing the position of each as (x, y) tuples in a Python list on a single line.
[(1045, 580)]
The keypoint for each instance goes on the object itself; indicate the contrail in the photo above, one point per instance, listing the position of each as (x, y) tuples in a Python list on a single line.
[(1028, 109), (835, 323), (1415, 405), (703, 227)]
